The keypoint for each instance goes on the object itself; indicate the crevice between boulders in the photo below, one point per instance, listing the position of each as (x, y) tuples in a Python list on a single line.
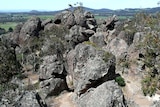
[(111, 75)]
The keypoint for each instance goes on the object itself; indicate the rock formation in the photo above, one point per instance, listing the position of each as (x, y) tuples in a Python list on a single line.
[(89, 60)]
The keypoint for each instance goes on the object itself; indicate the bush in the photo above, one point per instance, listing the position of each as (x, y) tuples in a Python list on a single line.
[(90, 43), (149, 85), (9, 66), (107, 56), (6, 87), (120, 81)]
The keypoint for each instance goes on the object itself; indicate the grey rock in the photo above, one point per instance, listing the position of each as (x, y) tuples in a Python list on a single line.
[(78, 35), (28, 99), (51, 65), (92, 24), (52, 76), (138, 37), (106, 95), (117, 47), (80, 18), (45, 22), (155, 104), (88, 66), (66, 18), (88, 33), (16, 32), (88, 14), (52, 87), (110, 22), (31, 27), (98, 39)]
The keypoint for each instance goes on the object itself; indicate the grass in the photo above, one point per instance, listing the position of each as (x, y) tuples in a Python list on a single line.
[(7, 25)]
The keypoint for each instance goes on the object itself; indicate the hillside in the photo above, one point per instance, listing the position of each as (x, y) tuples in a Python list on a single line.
[(76, 60)]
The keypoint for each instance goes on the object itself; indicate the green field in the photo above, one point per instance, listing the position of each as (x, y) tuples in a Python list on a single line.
[(42, 17), (7, 25)]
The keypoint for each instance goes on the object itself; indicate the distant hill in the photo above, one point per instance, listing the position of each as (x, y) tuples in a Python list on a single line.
[(103, 11)]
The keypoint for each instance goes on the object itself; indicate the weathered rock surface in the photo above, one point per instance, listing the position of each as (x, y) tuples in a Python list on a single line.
[(156, 104), (29, 99), (52, 76), (78, 35), (30, 28), (19, 98), (66, 18), (98, 39), (117, 47), (106, 95), (88, 69), (45, 22)]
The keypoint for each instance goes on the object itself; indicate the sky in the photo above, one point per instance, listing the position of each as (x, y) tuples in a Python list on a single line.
[(52, 5)]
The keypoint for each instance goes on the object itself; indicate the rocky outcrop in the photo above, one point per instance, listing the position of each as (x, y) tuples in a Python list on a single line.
[(89, 67), (30, 28), (66, 18), (72, 53), (30, 99), (45, 22), (78, 35), (98, 38), (106, 95), (117, 47), (21, 98), (52, 76)]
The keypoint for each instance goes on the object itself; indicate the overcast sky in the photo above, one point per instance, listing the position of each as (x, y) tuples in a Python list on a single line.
[(63, 4)]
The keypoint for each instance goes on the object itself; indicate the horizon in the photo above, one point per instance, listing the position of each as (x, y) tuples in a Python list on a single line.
[(39, 5)]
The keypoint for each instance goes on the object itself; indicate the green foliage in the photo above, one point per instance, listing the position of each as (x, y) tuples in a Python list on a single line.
[(126, 64), (120, 81), (149, 85), (90, 43), (9, 66), (151, 44), (7, 86), (107, 56), (10, 29)]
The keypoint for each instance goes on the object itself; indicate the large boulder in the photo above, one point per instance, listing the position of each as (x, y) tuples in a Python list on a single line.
[(78, 35), (106, 95), (80, 18), (66, 18), (117, 47), (29, 99), (98, 39), (52, 76), (89, 67), (21, 98), (45, 22), (31, 28), (50, 66)]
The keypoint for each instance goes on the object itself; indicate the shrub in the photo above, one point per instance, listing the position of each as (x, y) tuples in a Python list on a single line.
[(6, 87), (9, 66), (90, 43), (107, 56), (149, 85), (120, 81)]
